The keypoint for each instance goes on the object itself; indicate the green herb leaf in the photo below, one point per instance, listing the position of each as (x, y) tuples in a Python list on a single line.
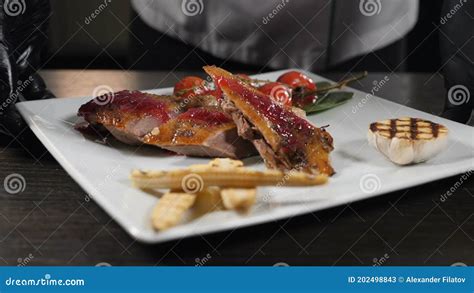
[(328, 101)]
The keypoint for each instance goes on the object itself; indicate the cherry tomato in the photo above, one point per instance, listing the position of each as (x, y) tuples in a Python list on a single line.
[(190, 85), (297, 79), (278, 92)]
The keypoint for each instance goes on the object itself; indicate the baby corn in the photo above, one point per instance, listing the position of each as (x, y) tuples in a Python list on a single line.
[(215, 176), (170, 209), (238, 198)]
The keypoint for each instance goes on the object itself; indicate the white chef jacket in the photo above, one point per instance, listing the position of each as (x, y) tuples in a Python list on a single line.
[(308, 34)]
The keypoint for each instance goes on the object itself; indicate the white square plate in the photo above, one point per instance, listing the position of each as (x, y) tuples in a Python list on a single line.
[(102, 170)]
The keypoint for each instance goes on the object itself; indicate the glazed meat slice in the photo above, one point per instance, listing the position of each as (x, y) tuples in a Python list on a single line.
[(192, 126), (129, 115), (204, 131), (284, 140)]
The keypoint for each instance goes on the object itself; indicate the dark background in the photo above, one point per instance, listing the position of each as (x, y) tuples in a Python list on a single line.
[(106, 43), (52, 221)]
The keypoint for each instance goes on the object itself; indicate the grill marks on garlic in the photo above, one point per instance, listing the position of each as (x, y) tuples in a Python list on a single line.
[(408, 140)]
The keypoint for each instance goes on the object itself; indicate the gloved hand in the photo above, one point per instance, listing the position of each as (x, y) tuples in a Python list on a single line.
[(23, 28), (457, 54)]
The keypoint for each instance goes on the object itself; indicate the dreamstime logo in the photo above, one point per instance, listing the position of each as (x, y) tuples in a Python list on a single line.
[(370, 7), (369, 183), (444, 19), (14, 7), (182, 105), (103, 95), (14, 183), (459, 264), (192, 183), (202, 261), (16, 95), (380, 261), (378, 85), (190, 95), (458, 95), (192, 7), (267, 18), (451, 191), (22, 262), (103, 264), (266, 198), (281, 264), (97, 11), (279, 92)]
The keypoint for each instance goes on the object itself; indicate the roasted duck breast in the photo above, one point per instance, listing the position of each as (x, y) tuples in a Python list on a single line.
[(284, 140), (129, 115), (204, 132), (192, 126)]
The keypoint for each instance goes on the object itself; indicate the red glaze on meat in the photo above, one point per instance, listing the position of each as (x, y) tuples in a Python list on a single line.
[(134, 103), (206, 116), (289, 141), (192, 126)]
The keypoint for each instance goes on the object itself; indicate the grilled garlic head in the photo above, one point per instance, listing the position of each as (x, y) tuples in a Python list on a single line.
[(408, 140)]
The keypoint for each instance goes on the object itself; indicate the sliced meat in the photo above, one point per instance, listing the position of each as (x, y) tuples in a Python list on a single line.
[(129, 115), (283, 139), (190, 126), (204, 131)]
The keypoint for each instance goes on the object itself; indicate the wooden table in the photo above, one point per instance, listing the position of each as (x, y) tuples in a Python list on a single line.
[(51, 223)]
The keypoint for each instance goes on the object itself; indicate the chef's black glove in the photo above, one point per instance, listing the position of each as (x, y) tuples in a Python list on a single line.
[(23, 29), (457, 54)]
